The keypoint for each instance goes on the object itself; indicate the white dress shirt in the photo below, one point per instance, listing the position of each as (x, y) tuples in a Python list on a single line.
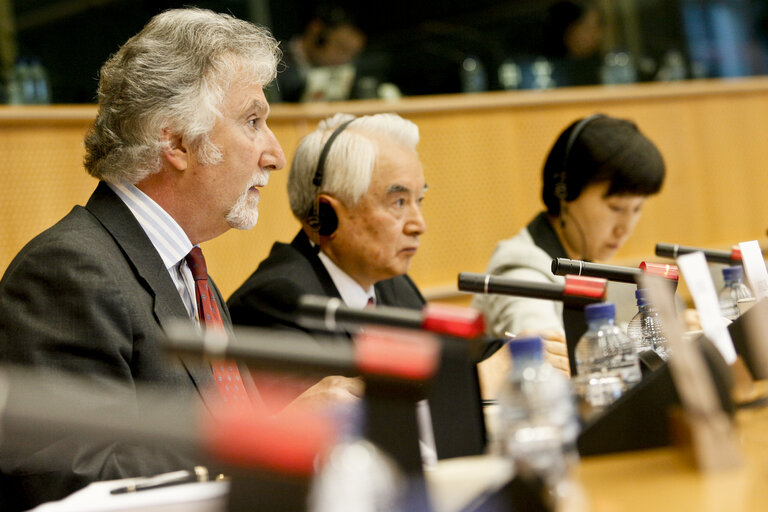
[(168, 238), (350, 290)]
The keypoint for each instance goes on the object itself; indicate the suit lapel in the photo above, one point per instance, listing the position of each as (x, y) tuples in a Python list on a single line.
[(149, 267), (301, 243), (125, 229)]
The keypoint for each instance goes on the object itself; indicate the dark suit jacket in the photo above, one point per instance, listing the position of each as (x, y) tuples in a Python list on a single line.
[(91, 296), (269, 296), (268, 299)]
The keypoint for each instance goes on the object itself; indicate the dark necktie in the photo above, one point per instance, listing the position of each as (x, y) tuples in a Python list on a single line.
[(225, 373)]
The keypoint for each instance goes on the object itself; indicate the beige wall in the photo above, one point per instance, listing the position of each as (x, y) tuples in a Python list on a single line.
[(482, 156)]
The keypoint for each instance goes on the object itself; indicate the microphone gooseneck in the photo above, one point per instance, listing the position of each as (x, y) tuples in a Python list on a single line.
[(732, 257)]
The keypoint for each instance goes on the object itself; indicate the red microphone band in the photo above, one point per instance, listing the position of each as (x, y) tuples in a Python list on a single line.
[(288, 443), (664, 270), (582, 286), (453, 320), (395, 352)]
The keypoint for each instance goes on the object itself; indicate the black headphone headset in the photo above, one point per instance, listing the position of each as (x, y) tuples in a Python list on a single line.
[(561, 189), (322, 218)]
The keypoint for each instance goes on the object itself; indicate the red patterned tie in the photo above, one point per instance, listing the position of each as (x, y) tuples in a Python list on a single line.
[(225, 373)]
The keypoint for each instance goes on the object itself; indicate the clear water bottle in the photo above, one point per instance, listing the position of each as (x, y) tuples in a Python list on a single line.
[(542, 70), (356, 475), (733, 291), (646, 329), (635, 326), (538, 423), (21, 89), (510, 75), (41, 87), (606, 359), (618, 68), (672, 67), (473, 77)]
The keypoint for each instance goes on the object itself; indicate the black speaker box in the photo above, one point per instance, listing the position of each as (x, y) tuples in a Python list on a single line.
[(455, 401), (639, 419), (739, 335)]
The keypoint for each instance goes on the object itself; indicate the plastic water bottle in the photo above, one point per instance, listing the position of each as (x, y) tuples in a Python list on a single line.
[(473, 78), (21, 89), (542, 71), (618, 68), (606, 359), (672, 67), (733, 291), (356, 475), (635, 326), (510, 75), (538, 422), (41, 87), (646, 329)]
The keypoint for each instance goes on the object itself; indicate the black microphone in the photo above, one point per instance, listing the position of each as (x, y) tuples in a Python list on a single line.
[(294, 351), (40, 408), (732, 257), (280, 350), (565, 266), (331, 314), (576, 290)]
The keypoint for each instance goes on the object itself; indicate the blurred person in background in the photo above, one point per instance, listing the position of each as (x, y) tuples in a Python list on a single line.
[(573, 35), (319, 63)]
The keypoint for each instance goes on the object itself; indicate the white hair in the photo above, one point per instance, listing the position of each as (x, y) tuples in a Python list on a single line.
[(350, 161), (173, 75)]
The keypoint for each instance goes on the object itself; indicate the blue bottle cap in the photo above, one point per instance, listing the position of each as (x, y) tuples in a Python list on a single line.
[(525, 348), (600, 311), (733, 273), (642, 297)]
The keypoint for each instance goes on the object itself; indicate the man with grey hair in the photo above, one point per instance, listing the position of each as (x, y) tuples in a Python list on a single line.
[(356, 185), (181, 147), (360, 211)]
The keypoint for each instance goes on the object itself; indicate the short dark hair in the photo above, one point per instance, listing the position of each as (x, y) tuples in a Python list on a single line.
[(606, 149)]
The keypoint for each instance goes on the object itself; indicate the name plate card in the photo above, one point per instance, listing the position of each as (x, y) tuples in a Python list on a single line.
[(754, 268), (714, 441), (699, 280)]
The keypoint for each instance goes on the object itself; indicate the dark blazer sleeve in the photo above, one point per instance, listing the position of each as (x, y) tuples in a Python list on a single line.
[(399, 292), (71, 303), (265, 303), (268, 298)]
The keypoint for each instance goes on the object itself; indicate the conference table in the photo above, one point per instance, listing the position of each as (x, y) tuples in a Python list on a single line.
[(666, 479), (658, 480)]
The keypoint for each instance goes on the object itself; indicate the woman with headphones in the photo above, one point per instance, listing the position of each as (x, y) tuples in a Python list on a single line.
[(596, 179)]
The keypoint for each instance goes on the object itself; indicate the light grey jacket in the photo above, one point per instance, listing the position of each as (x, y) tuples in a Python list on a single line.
[(520, 258)]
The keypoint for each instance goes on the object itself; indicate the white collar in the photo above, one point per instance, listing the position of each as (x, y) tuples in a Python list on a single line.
[(350, 290), (168, 238)]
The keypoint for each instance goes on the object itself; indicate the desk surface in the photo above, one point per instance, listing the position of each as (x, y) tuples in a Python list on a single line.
[(666, 479)]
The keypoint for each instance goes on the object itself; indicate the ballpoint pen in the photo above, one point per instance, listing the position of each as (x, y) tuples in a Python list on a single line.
[(164, 480)]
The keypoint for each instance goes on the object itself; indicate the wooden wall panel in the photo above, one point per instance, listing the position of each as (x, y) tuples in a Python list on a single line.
[(482, 156)]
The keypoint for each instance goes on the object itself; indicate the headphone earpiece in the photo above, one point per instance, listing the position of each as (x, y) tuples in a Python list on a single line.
[(313, 219), (327, 218), (322, 217), (561, 188)]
